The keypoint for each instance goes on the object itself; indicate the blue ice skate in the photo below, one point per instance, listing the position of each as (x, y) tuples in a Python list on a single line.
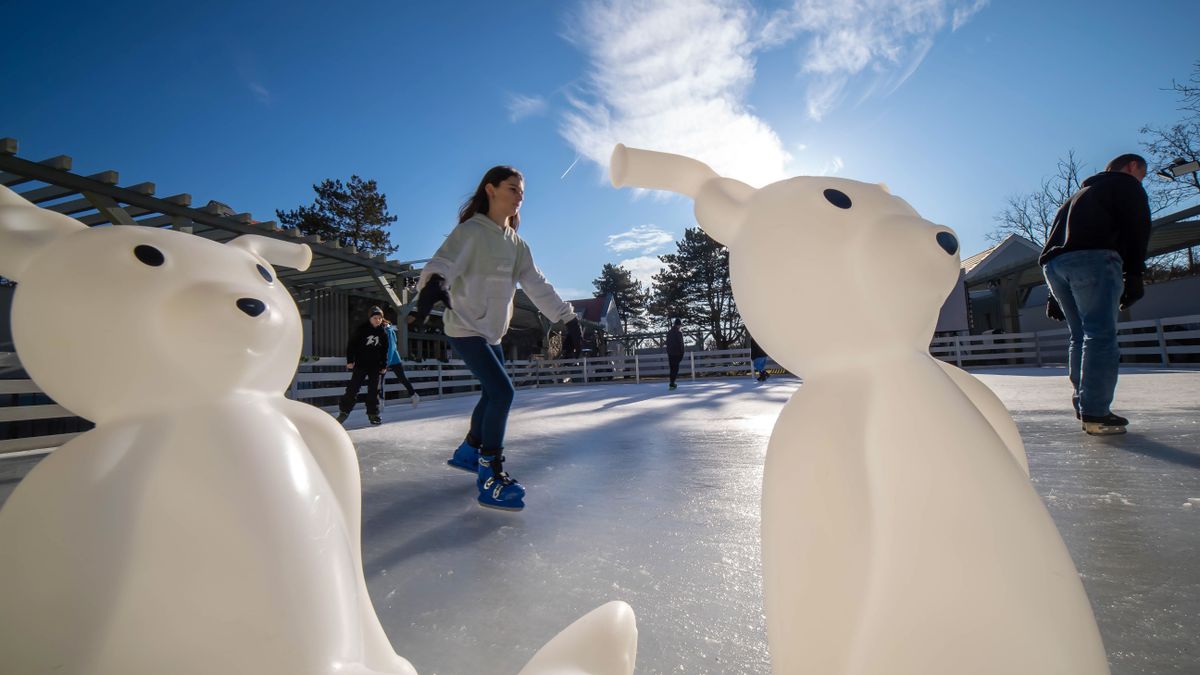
[(466, 456), (497, 490)]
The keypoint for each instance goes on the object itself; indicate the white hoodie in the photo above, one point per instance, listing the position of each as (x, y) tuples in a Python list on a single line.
[(482, 263)]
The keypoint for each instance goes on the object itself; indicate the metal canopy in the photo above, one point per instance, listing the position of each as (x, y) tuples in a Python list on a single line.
[(1170, 233), (98, 199)]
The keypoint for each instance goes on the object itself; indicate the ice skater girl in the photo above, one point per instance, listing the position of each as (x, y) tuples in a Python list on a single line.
[(475, 273), (396, 365)]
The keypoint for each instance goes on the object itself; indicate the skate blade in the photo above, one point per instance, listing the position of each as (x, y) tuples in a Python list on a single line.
[(1095, 429), (511, 509)]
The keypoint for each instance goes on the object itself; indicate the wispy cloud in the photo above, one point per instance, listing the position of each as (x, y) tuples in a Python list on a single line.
[(672, 75), (885, 40), (521, 106), (644, 239), (567, 293), (260, 92)]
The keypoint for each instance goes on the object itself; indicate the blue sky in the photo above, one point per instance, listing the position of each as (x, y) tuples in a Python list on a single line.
[(955, 104)]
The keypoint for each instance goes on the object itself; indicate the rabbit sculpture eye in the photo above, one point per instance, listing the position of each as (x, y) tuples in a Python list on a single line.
[(837, 198), (149, 255), (206, 524), (900, 532)]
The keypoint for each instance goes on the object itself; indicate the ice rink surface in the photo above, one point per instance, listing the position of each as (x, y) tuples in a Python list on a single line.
[(652, 497)]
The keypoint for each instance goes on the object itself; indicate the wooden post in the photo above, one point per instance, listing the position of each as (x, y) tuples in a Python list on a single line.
[(637, 371), (692, 361), (1162, 342), (439, 379)]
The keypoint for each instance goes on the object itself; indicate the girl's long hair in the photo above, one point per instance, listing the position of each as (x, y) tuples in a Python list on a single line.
[(478, 202)]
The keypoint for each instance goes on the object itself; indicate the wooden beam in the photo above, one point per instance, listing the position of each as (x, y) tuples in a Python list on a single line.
[(101, 217), (110, 209)]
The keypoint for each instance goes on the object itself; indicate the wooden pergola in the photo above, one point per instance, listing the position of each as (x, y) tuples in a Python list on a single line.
[(99, 199)]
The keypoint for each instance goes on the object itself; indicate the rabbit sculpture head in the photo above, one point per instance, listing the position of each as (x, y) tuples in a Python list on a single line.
[(125, 320), (824, 270)]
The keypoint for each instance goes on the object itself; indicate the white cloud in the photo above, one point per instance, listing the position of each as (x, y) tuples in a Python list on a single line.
[(885, 40), (521, 106), (672, 75), (643, 268), (644, 239)]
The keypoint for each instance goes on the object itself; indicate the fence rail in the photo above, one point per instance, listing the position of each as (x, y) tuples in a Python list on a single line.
[(30, 421)]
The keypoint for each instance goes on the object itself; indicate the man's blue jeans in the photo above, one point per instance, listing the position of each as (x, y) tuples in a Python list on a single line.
[(1088, 285), (490, 417)]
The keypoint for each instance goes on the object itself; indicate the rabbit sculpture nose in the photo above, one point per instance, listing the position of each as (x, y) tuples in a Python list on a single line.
[(251, 306), (948, 242)]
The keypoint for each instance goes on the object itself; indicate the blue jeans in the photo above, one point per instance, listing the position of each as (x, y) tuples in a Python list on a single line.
[(760, 364), (490, 417), (1088, 285)]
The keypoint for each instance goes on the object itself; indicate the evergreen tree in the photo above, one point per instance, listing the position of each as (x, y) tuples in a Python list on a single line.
[(627, 292), (353, 214), (694, 286)]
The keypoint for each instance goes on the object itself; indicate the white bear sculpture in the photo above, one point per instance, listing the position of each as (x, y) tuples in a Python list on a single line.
[(207, 524), (901, 535)]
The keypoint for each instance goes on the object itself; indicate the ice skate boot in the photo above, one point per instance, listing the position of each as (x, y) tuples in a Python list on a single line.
[(414, 399), (466, 456), (1106, 425), (375, 420), (673, 386), (341, 418), (498, 490)]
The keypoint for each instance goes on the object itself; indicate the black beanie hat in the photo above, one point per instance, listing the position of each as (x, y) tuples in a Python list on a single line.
[(375, 310)]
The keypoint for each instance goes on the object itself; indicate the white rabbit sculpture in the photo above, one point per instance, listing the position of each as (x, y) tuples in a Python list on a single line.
[(901, 535), (207, 524)]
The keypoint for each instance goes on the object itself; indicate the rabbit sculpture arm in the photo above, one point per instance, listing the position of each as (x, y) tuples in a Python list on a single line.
[(992, 409)]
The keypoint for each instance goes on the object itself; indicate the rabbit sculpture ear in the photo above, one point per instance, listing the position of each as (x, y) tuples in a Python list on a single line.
[(276, 252), (720, 202), (25, 230)]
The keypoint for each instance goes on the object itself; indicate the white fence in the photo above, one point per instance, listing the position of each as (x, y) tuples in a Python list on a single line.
[(1172, 341), (30, 421), (322, 380)]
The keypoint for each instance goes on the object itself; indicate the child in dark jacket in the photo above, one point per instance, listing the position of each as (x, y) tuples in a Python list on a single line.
[(367, 357)]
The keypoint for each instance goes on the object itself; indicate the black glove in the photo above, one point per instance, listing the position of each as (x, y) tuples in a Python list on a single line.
[(572, 339), (433, 291), (1053, 310), (1134, 290)]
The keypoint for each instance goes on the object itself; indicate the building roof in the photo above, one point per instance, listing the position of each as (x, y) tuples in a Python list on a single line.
[(593, 309), (1172, 232), (1015, 249)]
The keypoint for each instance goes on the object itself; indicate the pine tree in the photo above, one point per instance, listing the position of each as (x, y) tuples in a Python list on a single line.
[(353, 214), (694, 286), (629, 295)]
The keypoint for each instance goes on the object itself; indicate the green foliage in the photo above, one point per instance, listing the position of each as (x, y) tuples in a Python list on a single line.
[(353, 214), (694, 286), (627, 292)]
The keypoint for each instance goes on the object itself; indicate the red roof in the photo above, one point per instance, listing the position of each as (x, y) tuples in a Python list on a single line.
[(592, 308)]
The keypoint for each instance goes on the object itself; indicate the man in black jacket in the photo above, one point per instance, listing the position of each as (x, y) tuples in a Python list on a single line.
[(674, 350), (1093, 263), (367, 356)]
